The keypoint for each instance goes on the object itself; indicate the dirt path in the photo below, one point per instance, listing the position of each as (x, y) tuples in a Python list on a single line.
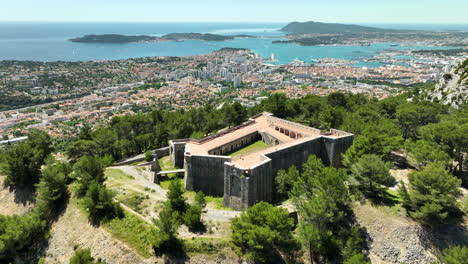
[(141, 181)]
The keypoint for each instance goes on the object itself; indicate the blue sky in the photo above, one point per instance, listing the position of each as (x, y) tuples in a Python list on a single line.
[(345, 11)]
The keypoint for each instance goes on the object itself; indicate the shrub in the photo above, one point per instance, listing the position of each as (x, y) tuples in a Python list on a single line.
[(83, 256), (200, 199), (148, 155)]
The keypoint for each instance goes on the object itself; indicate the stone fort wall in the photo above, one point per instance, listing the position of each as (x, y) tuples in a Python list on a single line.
[(205, 173), (243, 188)]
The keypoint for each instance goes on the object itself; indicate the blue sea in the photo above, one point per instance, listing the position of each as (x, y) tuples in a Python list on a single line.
[(49, 41)]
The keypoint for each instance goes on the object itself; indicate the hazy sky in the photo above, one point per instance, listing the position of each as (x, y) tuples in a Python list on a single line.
[(362, 11)]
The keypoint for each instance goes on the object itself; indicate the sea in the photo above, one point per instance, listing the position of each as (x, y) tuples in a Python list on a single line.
[(42, 41)]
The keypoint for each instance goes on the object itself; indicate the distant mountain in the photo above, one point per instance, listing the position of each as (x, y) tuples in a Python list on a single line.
[(115, 38), (328, 28)]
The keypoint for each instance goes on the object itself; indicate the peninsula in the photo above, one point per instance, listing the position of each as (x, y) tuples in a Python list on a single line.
[(116, 38), (312, 27), (318, 33)]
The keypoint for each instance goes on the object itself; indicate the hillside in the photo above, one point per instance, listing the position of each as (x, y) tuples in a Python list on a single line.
[(312, 27), (452, 88)]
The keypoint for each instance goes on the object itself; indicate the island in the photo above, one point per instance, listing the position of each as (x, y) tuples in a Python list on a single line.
[(116, 38)]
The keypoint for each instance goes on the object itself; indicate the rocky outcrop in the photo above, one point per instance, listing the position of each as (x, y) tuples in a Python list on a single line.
[(452, 88)]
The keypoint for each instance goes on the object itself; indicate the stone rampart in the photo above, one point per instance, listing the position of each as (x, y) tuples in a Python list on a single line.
[(205, 173)]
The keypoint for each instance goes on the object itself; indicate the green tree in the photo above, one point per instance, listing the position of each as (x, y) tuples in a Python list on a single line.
[(450, 133), (53, 184), (411, 116), (22, 165), (321, 198), (22, 162), (19, 232), (352, 249), (262, 232), (77, 149), (41, 142), (105, 139), (337, 99), (455, 255), (372, 172), (379, 138), (422, 152), (331, 117), (235, 114), (285, 180), (85, 133), (99, 203), (432, 193), (87, 170), (276, 104), (192, 217), (175, 195), (166, 240)]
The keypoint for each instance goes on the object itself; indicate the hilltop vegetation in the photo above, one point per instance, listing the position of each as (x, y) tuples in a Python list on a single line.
[(431, 135)]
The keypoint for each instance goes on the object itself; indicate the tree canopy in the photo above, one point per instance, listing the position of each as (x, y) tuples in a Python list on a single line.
[(261, 231), (432, 193)]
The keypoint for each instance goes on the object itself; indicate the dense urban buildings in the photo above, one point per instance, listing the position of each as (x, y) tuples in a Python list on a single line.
[(65, 95)]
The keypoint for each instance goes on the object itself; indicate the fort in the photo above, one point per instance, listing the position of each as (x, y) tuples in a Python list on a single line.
[(210, 164)]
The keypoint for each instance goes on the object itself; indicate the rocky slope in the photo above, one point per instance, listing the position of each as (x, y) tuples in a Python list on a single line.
[(452, 89), (393, 238)]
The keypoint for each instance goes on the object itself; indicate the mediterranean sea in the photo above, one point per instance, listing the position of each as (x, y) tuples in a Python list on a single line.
[(39, 41)]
